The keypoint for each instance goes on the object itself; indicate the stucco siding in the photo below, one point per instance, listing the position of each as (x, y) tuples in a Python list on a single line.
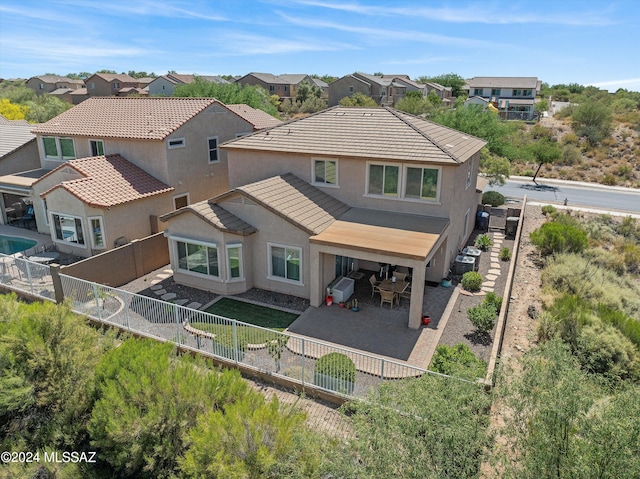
[(23, 159), (342, 88)]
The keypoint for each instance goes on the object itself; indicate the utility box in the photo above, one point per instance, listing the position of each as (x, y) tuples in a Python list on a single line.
[(473, 253), (462, 264), (511, 226)]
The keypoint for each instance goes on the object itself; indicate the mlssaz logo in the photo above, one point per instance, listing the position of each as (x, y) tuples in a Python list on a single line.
[(66, 456)]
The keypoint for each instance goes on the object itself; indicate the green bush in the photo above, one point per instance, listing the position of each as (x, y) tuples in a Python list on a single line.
[(457, 360), (602, 349), (492, 198), (505, 254), (483, 317), (483, 242), (471, 281), (559, 237), (549, 210), (335, 371), (494, 300)]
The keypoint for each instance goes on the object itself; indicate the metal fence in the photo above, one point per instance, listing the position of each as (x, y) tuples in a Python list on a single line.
[(296, 358)]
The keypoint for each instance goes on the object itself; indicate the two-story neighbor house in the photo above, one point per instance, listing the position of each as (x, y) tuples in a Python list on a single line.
[(274, 84), (49, 83), (514, 97), (165, 85), (170, 146), (386, 90), (109, 84), (349, 187)]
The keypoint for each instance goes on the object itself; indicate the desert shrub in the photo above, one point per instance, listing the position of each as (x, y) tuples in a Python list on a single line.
[(574, 274), (528, 172), (483, 317), (549, 210), (571, 155), (559, 236), (606, 259), (483, 242), (471, 281), (564, 319), (630, 251), (335, 371), (609, 180), (494, 300), (601, 228), (602, 349), (628, 228), (623, 323), (505, 254), (457, 360), (570, 139), (492, 198)]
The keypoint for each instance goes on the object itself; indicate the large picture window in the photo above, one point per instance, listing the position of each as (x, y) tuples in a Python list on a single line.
[(383, 180), (234, 261), (68, 228), (198, 258), (325, 172), (286, 262)]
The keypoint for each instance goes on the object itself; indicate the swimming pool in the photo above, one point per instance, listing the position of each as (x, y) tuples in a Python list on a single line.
[(13, 244)]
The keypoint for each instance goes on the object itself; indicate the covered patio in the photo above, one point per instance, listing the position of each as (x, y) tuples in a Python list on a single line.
[(372, 237)]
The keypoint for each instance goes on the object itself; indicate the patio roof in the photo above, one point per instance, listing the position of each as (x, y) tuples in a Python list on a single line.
[(389, 233)]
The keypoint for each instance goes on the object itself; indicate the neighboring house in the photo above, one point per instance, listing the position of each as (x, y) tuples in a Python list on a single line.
[(18, 153), (109, 84), (324, 87), (386, 90), (95, 204), (166, 84), (50, 83), (443, 92), (329, 190), (274, 84), (514, 97), (174, 140)]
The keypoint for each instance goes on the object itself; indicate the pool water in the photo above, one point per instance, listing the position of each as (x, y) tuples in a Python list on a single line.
[(12, 244)]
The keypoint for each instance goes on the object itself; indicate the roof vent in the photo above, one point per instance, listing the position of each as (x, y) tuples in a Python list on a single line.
[(449, 145)]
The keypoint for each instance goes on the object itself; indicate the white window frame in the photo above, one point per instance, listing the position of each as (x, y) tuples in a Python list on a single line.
[(478, 91), (284, 279), (314, 179), (375, 195), (46, 211), (237, 246), (116, 85), (173, 143), (62, 241), (175, 239), (92, 85), (351, 88), (217, 149), (59, 156), (96, 141), (100, 220), (405, 175)]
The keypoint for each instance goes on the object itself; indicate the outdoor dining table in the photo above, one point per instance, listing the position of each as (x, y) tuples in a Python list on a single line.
[(389, 285)]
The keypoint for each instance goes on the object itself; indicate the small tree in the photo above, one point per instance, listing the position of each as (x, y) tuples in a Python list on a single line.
[(592, 120), (545, 151), (559, 237), (471, 281), (483, 317)]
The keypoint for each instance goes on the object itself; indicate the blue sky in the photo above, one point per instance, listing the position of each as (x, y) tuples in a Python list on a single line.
[(591, 42)]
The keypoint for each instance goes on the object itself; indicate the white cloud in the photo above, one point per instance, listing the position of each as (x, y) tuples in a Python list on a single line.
[(613, 85)]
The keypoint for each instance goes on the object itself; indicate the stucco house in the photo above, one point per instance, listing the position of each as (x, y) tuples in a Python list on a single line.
[(514, 97), (175, 141), (386, 90), (344, 189), (50, 83), (109, 84), (273, 84), (165, 85)]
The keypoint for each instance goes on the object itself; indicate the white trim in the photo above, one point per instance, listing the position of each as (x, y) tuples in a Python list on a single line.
[(228, 263), (59, 156), (62, 241), (313, 172), (270, 274), (405, 175), (175, 239), (217, 150), (181, 195), (173, 143), (46, 211), (101, 221), (384, 164), (96, 140)]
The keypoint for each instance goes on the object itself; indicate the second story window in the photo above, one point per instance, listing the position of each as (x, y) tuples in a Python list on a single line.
[(272, 88), (495, 92), (175, 143), (212, 144), (97, 147), (477, 91), (517, 92), (351, 89), (42, 86), (383, 180), (60, 149), (116, 85), (91, 85), (527, 92), (325, 172), (422, 183)]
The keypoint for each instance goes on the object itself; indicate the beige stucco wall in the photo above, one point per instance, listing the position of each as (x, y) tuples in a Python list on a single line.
[(340, 89), (23, 159), (188, 226)]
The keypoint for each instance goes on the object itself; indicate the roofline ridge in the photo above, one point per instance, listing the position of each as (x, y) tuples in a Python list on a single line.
[(437, 144)]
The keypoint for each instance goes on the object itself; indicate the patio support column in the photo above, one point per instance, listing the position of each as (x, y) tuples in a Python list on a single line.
[(417, 295), (315, 277)]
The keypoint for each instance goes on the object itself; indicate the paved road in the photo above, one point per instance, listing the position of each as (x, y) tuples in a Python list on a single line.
[(577, 194)]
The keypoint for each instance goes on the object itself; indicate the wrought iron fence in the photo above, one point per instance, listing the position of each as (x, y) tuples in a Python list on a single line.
[(299, 359)]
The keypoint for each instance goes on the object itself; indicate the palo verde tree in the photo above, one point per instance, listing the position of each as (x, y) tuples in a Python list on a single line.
[(357, 99), (545, 151), (592, 120)]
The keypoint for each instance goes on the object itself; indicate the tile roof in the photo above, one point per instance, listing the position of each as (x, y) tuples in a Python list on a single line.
[(14, 134), (216, 216), (137, 118), (57, 79), (362, 132), (267, 78), (258, 118), (503, 82), (294, 200), (293, 78), (123, 77), (108, 181)]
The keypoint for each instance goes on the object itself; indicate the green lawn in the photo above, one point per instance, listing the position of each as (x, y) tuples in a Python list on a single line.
[(252, 314)]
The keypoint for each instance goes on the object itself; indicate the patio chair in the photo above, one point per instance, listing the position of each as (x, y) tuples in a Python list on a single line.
[(374, 285), (387, 297), (400, 276)]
